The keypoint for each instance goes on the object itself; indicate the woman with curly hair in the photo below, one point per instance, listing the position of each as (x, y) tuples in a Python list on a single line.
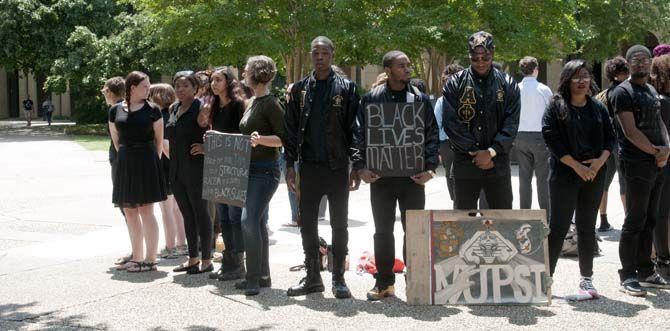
[(263, 120), (660, 79)]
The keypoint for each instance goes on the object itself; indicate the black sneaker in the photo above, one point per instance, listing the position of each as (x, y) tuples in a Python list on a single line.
[(632, 287), (655, 281), (604, 224)]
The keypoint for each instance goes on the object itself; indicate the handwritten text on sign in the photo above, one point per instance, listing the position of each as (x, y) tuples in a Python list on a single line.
[(226, 172), (395, 138)]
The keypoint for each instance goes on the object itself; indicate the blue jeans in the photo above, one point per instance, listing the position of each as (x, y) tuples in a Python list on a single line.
[(231, 226), (263, 182)]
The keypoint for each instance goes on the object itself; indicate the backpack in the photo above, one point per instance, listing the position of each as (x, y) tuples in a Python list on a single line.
[(570, 243)]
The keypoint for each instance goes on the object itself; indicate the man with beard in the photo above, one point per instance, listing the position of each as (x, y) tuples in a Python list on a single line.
[(407, 192), (481, 117), (644, 152), (319, 123)]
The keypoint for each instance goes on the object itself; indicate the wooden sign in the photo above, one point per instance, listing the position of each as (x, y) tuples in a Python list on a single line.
[(465, 258), (394, 136), (226, 173)]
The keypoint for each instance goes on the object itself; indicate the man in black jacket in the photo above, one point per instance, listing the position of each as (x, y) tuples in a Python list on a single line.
[(407, 192), (319, 122), (481, 117)]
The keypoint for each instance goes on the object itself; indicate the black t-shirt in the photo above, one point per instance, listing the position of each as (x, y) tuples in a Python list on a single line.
[(27, 104), (227, 119), (314, 146), (645, 105), (136, 127), (399, 96)]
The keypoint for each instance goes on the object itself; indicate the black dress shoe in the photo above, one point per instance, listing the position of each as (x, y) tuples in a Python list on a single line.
[(209, 268), (263, 282), (190, 269)]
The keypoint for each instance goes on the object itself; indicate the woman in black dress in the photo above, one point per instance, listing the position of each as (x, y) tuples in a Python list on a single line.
[(224, 115), (136, 127), (186, 169), (173, 223), (580, 137)]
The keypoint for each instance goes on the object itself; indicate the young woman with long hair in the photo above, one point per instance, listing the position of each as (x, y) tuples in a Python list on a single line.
[(136, 127)]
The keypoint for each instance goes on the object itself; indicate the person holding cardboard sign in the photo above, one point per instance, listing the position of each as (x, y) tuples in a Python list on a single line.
[(319, 125), (481, 117), (417, 128)]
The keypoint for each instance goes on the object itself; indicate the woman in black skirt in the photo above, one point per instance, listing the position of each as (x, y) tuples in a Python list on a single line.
[(186, 169), (579, 135), (224, 115), (136, 127)]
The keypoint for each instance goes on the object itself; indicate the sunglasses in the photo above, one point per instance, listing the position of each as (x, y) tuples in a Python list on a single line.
[(580, 79), (183, 73), (636, 62)]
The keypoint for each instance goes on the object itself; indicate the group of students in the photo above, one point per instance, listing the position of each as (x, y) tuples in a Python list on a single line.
[(471, 131)]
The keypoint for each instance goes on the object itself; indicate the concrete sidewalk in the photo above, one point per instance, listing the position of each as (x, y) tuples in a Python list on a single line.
[(59, 234)]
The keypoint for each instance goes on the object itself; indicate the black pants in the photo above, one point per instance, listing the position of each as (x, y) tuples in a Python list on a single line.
[(317, 180), (498, 191), (532, 155), (568, 195), (197, 223), (231, 227), (661, 229), (644, 183), (447, 156), (385, 193)]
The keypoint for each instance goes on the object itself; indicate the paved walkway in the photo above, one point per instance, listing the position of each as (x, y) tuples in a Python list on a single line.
[(59, 234)]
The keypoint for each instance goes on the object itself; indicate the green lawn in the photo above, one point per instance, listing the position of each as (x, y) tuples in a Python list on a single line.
[(92, 143)]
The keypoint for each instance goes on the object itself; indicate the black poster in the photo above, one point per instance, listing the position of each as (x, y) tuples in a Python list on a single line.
[(226, 172), (394, 135)]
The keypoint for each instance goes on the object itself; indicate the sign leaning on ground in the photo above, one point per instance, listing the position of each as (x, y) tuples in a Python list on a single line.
[(226, 173), (394, 136), (470, 258)]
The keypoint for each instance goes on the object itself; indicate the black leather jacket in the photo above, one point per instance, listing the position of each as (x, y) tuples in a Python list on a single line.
[(481, 113), (431, 134), (342, 108)]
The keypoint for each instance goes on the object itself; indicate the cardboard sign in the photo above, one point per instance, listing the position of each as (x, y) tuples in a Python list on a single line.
[(394, 136), (464, 258), (226, 173)]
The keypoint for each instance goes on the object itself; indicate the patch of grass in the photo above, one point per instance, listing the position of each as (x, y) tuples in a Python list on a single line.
[(92, 143), (86, 130)]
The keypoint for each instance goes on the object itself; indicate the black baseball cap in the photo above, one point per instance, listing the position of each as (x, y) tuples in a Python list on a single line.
[(483, 39)]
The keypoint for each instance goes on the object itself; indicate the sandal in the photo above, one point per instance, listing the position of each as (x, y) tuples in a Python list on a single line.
[(128, 265), (143, 267), (124, 259)]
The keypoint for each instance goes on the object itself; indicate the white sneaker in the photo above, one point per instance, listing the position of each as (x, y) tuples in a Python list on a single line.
[(586, 286)]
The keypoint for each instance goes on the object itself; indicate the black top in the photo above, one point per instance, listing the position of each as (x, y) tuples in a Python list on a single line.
[(314, 145), (266, 116), (183, 131), (399, 96), (644, 103), (136, 127), (582, 132), (481, 113), (28, 104), (227, 119)]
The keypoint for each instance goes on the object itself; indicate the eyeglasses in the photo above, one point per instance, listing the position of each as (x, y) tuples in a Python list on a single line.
[(580, 79), (636, 62), (485, 58)]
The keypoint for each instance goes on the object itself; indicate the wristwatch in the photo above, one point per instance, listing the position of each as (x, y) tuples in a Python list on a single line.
[(492, 151)]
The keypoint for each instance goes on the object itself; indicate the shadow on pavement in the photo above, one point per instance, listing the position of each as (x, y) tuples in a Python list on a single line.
[(660, 299), (517, 315), (390, 307), (609, 306), (46, 320), (136, 277)]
